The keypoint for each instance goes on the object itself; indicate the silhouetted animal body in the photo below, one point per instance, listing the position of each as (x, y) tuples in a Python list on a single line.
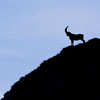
[(74, 37)]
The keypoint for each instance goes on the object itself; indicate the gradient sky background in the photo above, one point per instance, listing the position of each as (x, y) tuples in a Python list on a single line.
[(32, 31)]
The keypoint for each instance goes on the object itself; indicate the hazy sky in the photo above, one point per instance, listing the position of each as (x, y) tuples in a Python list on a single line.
[(32, 31)]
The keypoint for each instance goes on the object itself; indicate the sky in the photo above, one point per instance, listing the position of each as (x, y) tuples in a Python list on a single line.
[(32, 31)]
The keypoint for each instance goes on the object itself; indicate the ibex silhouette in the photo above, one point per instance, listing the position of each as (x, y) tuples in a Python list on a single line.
[(74, 37)]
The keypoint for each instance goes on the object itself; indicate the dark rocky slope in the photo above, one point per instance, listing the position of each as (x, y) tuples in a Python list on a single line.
[(72, 74)]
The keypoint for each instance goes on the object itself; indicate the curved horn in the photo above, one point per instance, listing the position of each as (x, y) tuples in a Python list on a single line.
[(66, 28)]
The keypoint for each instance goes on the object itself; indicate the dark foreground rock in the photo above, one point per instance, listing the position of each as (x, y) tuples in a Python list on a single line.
[(72, 74)]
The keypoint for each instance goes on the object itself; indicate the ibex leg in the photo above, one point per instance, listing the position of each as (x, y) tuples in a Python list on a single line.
[(72, 42), (83, 40)]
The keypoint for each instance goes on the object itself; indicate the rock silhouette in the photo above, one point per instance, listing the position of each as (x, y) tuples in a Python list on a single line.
[(74, 37), (72, 74)]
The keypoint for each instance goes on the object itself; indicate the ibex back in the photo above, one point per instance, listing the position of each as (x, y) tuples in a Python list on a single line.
[(74, 37)]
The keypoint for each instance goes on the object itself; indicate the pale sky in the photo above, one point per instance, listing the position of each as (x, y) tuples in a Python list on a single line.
[(32, 31)]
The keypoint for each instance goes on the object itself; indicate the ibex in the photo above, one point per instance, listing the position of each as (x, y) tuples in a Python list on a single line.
[(74, 37)]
